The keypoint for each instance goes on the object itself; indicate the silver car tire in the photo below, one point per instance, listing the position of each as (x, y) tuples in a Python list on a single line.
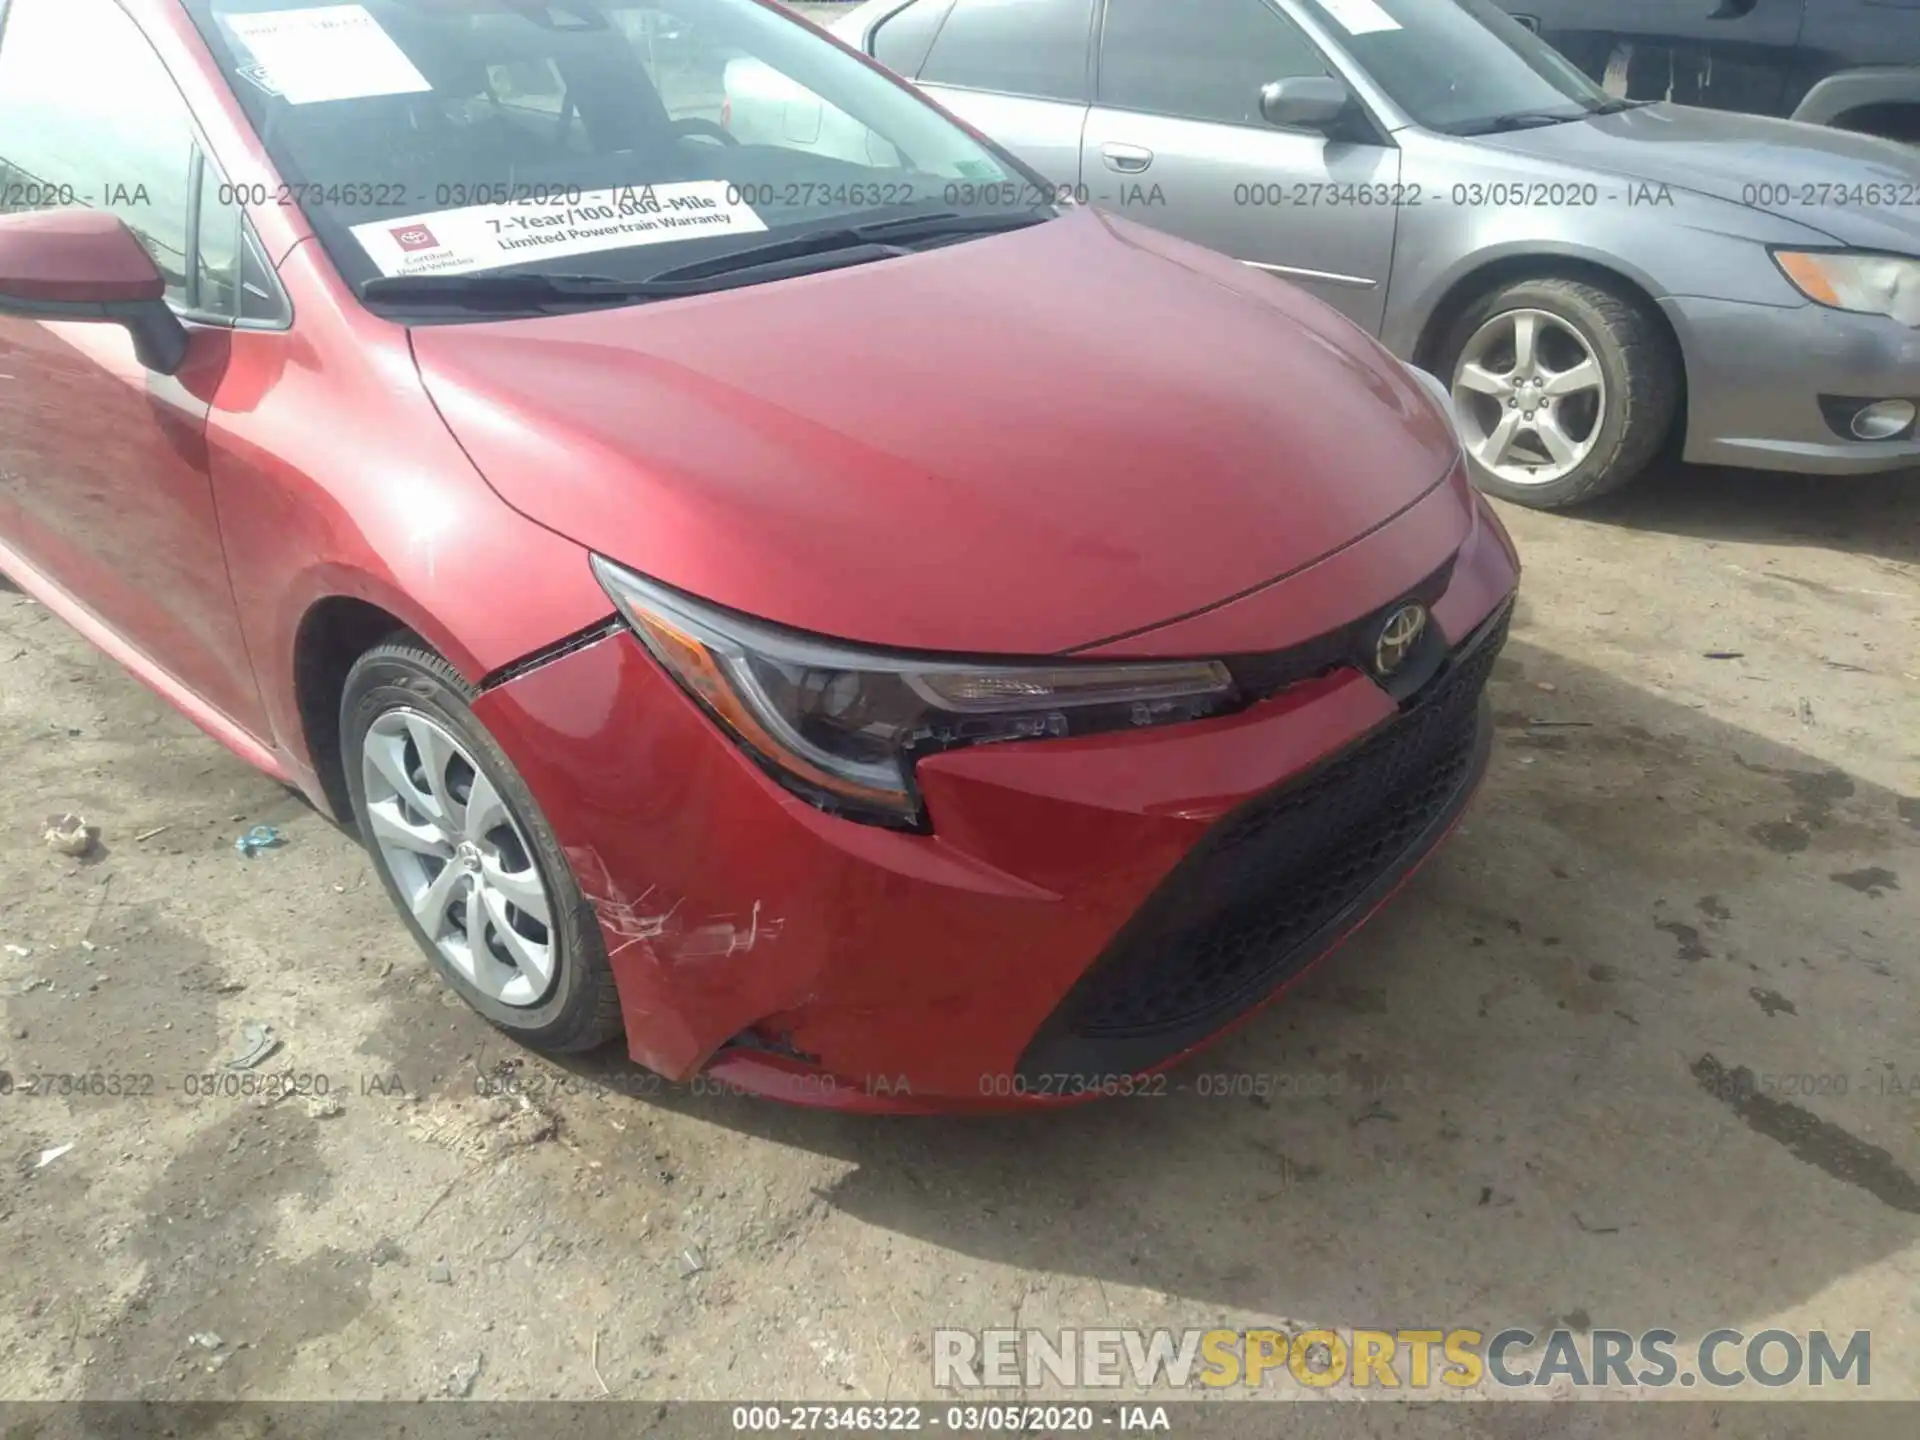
[(1566, 390), (466, 856)]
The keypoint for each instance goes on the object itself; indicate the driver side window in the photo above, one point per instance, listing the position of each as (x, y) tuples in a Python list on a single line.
[(89, 117), (1200, 60)]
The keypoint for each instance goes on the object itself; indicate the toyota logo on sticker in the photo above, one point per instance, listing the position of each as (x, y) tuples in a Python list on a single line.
[(414, 237)]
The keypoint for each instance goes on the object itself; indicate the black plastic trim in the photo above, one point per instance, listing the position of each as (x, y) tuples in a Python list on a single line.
[(1839, 410), (547, 654), (1057, 1050), (1263, 675)]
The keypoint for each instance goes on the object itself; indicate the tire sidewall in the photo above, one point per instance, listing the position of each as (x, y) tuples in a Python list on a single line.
[(1589, 477), (386, 680)]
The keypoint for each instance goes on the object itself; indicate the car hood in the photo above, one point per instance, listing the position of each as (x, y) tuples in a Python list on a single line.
[(1019, 444), (1794, 171)]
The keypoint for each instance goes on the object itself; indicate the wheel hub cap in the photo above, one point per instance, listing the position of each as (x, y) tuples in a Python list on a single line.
[(459, 858), (1531, 397)]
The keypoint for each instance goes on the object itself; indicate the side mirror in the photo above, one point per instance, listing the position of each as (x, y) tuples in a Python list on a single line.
[(1304, 102), (79, 264)]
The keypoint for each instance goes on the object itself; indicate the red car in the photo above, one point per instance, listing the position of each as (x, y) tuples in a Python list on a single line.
[(880, 633)]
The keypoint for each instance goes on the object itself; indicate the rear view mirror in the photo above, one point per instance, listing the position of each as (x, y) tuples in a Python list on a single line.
[(79, 264), (1304, 102)]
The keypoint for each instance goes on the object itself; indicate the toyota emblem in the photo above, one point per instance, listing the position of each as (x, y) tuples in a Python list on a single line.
[(1398, 639)]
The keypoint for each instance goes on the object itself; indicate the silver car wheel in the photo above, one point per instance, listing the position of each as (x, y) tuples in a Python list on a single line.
[(458, 857), (1531, 395)]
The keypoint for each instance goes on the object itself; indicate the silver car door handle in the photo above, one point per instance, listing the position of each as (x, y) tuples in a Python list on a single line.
[(1127, 159)]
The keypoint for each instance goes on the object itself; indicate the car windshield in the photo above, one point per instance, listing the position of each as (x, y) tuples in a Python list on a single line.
[(441, 138), (1462, 67)]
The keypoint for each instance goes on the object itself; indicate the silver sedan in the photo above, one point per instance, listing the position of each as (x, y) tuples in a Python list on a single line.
[(1594, 278)]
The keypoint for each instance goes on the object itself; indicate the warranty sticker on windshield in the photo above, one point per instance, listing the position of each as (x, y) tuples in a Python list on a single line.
[(1360, 17), (334, 52), (486, 237)]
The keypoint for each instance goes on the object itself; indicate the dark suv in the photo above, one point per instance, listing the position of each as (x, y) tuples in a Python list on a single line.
[(1854, 64)]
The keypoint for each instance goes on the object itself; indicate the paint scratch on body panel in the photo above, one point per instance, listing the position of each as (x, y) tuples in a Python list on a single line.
[(724, 936), (627, 921)]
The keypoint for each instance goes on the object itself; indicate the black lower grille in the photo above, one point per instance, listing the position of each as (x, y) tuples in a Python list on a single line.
[(1258, 897)]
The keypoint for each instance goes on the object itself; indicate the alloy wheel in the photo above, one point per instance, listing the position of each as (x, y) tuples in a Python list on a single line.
[(459, 857), (1531, 396)]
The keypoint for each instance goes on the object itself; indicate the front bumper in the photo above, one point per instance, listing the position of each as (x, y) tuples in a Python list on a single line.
[(1755, 375), (1084, 910)]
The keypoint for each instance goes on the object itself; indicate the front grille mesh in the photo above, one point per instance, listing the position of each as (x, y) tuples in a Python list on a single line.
[(1238, 916)]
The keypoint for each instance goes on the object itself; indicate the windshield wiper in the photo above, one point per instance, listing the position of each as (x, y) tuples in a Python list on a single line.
[(1520, 120), (880, 239), (514, 292), (1614, 107), (944, 223)]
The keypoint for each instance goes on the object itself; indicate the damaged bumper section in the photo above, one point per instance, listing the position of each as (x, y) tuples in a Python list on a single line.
[(1081, 913)]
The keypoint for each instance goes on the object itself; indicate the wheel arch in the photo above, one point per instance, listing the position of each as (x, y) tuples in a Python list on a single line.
[(1487, 275), (1852, 92), (334, 632)]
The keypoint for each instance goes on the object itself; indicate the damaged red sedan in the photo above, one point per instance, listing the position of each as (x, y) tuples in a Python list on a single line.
[(873, 630)]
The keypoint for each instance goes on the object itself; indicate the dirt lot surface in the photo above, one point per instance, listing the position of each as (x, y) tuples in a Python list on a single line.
[(1505, 1102)]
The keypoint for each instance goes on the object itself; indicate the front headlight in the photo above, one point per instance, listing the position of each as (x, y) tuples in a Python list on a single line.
[(1847, 280), (842, 727)]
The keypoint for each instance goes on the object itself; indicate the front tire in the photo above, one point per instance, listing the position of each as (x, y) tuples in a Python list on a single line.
[(467, 857), (1566, 390)]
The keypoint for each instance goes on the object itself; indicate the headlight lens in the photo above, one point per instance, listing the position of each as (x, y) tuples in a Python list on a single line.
[(1865, 284), (843, 727)]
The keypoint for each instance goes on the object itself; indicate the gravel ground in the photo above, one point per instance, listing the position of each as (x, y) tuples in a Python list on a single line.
[(1493, 1107)]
